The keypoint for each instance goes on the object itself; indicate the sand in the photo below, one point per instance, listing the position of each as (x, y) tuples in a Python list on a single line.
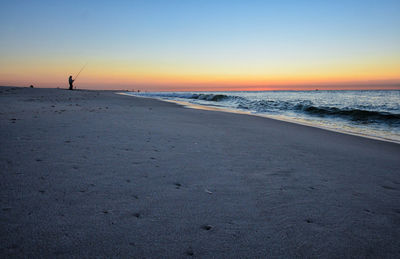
[(96, 174)]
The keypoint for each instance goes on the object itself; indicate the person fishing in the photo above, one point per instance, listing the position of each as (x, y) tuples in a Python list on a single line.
[(71, 81)]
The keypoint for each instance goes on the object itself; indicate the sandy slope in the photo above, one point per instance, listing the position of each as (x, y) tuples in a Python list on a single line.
[(86, 173)]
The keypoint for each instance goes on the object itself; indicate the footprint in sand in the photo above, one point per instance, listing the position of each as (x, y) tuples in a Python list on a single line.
[(388, 187), (190, 251), (207, 227)]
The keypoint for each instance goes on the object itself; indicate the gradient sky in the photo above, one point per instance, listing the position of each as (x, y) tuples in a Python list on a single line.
[(201, 45)]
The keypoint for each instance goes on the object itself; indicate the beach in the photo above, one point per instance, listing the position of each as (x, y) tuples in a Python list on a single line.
[(98, 174)]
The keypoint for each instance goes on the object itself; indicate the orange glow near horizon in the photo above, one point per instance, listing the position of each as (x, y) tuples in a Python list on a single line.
[(96, 81), (185, 77)]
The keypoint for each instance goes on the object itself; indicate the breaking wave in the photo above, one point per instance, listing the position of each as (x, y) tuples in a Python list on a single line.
[(210, 97), (298, 106), (359, 115), (373, 113)]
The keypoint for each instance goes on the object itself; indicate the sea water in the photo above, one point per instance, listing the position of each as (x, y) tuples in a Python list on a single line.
[(374, 114)]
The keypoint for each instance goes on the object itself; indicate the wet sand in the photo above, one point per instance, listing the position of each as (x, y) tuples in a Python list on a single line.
[(96, 174)]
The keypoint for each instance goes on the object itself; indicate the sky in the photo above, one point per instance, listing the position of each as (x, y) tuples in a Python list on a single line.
[(201, 45)]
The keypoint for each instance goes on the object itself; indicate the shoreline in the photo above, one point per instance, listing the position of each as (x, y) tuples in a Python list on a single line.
[(97, 174), (280, 118)]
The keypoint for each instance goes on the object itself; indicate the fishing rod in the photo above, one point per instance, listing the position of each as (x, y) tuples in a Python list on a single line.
[(80, 71)]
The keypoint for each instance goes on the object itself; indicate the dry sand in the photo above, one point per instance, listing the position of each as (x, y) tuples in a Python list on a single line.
[(95, 174)]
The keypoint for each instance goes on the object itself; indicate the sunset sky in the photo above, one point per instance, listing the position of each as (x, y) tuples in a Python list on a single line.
[(198, 45)]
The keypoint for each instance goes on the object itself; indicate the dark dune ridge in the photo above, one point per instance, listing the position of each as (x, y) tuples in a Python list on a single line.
[(95, 174)]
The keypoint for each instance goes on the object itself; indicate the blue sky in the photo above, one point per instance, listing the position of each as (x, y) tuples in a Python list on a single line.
[(227, 36)]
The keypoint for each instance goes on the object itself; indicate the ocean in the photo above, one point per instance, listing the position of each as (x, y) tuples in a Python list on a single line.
[(374, 114)]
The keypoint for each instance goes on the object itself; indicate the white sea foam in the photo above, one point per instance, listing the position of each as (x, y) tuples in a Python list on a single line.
[(374, 114)]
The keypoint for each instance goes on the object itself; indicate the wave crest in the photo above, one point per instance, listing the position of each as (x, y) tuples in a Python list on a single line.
[(359, 114), (352, 114), (210, 97)]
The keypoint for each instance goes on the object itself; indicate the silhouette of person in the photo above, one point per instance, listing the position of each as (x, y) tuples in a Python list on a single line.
[(70, 80)]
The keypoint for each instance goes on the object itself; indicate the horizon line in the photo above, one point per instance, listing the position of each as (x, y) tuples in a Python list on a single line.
[(393, 87)]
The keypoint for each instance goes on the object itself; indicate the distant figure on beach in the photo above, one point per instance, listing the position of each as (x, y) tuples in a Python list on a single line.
[(70, 80)]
